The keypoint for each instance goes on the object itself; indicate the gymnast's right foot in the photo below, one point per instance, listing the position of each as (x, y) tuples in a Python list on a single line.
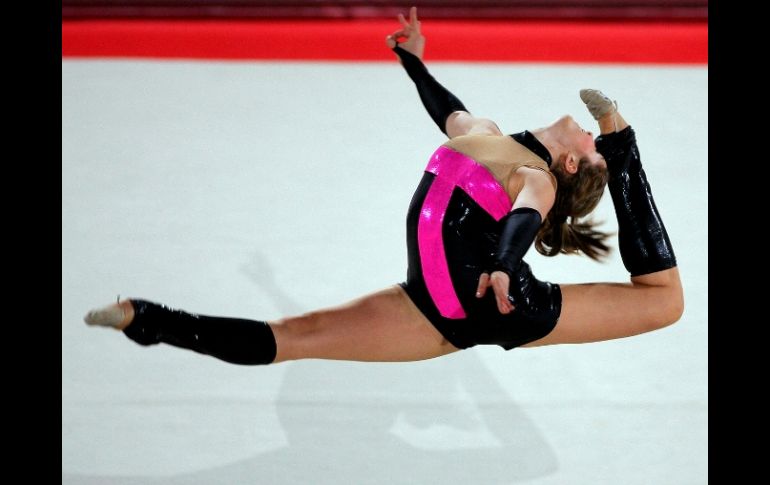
[(598, 104), (116, 315)]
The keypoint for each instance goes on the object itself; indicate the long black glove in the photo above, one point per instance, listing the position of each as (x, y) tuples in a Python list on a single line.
[(539, 300), (439, 102), (520, 227)]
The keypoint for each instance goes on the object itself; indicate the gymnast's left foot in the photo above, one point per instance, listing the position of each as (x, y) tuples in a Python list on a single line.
[(598, 104), (116, 315)]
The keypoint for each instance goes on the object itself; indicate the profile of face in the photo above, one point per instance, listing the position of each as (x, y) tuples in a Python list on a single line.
[(579, 144), (581, 171)]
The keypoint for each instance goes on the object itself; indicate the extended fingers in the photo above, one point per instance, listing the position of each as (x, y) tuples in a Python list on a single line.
[(501, 296), (483, 285), (413, 23), (413, 17), (499, 287), (503, 304)]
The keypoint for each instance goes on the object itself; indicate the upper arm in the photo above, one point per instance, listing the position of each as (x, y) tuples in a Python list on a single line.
[(463, 123), (532, 188)]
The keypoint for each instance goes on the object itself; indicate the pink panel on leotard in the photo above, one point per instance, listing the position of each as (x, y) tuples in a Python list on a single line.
[(452, 169)]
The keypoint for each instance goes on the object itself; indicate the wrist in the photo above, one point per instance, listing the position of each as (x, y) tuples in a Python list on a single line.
[(520, 285), (507, 267)]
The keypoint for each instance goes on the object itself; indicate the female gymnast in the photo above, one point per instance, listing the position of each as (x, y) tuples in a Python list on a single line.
[(484, 198)]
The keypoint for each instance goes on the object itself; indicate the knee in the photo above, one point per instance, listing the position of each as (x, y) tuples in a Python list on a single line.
[(300, 326), (664, 299), (295, 335), (671, 308)]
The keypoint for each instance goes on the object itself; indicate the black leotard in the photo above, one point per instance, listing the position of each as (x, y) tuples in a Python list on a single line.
[(452, 235)]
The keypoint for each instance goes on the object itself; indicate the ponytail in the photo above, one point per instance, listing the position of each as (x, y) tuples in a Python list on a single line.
[(576, 196)]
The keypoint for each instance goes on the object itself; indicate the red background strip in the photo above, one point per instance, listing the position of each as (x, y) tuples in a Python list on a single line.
[(349, 40)]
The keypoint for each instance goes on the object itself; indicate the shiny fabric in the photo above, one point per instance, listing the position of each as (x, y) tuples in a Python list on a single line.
[(470, 231), (642, 238), (452, 169), (234, 340), (519, 229), (533, 144)]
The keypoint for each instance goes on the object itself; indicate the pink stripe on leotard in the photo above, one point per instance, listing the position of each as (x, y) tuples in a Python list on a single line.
[(452, 169)]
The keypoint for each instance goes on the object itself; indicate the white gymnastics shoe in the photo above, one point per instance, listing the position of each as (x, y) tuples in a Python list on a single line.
[(597, 103), (112, 315)]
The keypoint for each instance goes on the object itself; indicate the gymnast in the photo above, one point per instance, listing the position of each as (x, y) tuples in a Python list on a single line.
[(483, 200)]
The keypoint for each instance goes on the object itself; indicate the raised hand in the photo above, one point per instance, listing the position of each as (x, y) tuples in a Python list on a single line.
[(415, 41)]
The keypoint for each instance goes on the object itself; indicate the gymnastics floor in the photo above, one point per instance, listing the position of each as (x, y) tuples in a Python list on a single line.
[(259, 189)]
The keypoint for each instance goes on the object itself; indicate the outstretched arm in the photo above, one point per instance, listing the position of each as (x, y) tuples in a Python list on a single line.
[(446, 110)]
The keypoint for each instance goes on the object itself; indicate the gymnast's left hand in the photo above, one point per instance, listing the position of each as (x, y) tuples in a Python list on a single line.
[(415, 41), (500, 282)]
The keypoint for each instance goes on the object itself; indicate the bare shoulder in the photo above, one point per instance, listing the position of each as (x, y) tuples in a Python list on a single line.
[(530, 187)]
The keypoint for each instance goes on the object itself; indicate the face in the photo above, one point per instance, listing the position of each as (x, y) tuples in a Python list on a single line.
[(579, 141)]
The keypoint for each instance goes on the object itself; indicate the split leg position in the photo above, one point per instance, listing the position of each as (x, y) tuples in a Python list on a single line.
[(384, 326), (387, 326)]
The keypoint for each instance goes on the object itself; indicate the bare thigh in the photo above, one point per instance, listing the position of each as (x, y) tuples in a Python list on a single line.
[(593, 312), (384, 326)]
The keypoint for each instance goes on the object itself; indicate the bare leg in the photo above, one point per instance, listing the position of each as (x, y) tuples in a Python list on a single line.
[(604, 311), (384, 326), (654, 298)]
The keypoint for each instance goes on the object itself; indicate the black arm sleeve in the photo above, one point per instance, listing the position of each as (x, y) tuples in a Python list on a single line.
[(439, 102), (520, 227)]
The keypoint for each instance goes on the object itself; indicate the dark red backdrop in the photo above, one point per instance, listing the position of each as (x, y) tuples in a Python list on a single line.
[(495, 9), (630, 31)]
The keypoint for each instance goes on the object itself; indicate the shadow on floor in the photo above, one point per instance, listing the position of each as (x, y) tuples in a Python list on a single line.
[(447, 422)]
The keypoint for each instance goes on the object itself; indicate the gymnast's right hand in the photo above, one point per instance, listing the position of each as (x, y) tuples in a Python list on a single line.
[(415, 41), (500, 282)]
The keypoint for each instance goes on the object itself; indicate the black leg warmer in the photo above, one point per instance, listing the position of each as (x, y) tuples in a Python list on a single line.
[(644, 244), (233, 340)]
